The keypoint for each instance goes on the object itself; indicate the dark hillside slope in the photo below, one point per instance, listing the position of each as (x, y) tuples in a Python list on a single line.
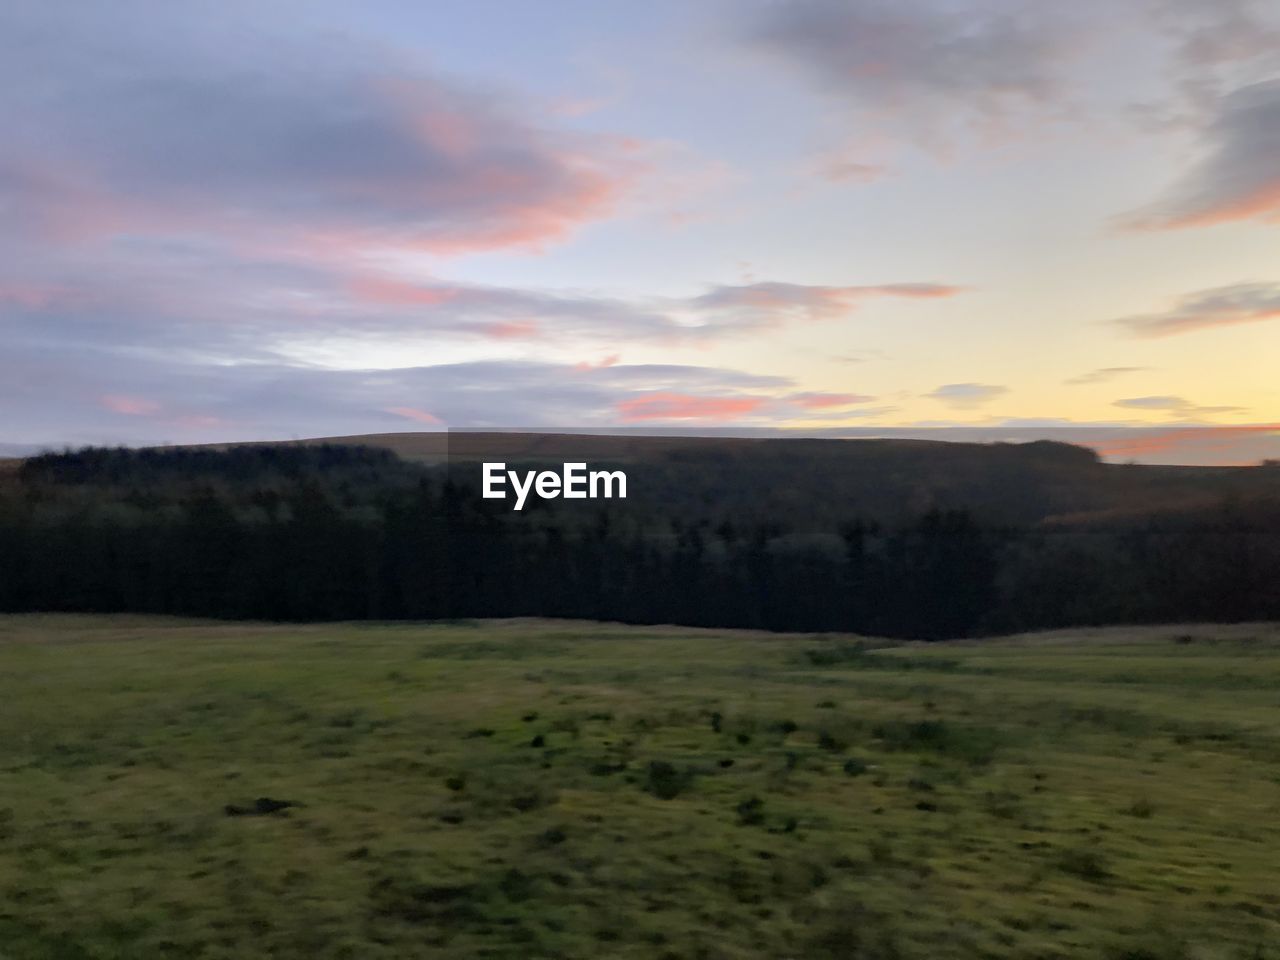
[(818, 479), (896, 538)]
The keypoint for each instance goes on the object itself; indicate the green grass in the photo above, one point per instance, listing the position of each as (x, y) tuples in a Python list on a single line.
[(557, 790)]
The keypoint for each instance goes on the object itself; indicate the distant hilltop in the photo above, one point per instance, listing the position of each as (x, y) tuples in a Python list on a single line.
[(439, 446), (813, 482)]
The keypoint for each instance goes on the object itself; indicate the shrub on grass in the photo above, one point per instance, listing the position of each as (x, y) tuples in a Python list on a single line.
[(850, 932), (973, 745), (665, 781), (1156, 942), (834, 654), (1142, 808), (532, 800), (1002, 804), (553, 837), (830, 741), (881, 852), (751, 812), (1084, 863)]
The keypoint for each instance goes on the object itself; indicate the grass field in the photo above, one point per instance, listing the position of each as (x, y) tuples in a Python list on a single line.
[(573, 790)]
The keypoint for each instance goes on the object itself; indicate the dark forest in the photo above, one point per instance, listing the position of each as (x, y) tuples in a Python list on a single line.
[(1026, 537)]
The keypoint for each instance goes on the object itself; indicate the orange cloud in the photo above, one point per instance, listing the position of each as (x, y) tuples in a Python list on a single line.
[(921, 291), (1200, 439), (683, 406), (1263, 203)]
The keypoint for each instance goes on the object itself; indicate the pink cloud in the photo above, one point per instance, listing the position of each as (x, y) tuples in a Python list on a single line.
[(200, 421), (354, 158), (584, 194), (682, 406), (841, 170), (779, 301), (129, 406), (30, 296), (578, 107), (608, 361), (392, 292), (511, 330), (412, 413)]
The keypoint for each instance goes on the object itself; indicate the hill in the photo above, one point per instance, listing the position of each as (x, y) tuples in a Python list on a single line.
[(1007, 482), (898, 538)]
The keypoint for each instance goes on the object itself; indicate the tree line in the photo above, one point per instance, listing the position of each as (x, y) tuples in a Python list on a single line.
[(349, 533)]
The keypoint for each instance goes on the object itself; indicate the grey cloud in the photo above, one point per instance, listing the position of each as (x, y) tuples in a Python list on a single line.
[(111, 397), (1101, 375), (199, 300), (935, 73), (964, 395), (1153, 403), (1204, 309), (1237, 176), (1174, 405), (1218, 33), (937, 68)]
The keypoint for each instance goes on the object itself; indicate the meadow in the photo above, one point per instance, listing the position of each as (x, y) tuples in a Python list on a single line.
[(522, 789)]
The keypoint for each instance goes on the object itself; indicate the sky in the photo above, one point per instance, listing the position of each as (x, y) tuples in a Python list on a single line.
[(233, 220)]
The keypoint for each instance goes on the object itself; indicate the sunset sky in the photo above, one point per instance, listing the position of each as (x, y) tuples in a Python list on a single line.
[(234, 220)]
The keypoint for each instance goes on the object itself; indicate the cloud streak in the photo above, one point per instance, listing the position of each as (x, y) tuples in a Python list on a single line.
[(202, 301), (1236, 177), (1206, 309), (1175, 406), (666, 406), (1101, 375), (967, 395), (827, 401), (110, 397)]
